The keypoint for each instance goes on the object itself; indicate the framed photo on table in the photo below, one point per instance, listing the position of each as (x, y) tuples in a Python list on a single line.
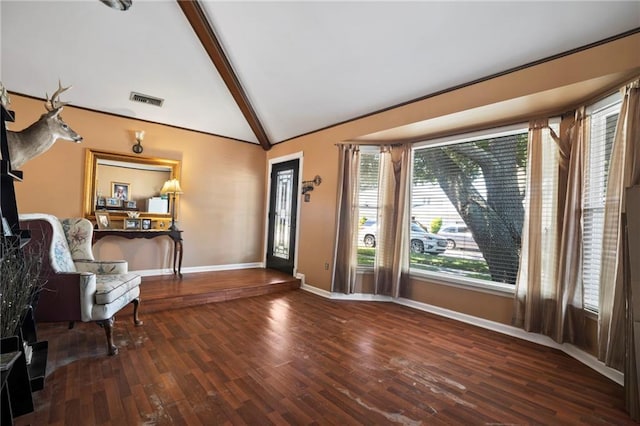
[(120, 190), (132, 224), (113, 202), (102, 219)]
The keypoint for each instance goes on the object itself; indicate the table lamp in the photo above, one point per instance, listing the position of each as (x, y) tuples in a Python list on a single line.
[(172, 186)]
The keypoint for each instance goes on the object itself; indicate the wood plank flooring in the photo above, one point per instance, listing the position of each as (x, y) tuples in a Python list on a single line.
[(296, 358)]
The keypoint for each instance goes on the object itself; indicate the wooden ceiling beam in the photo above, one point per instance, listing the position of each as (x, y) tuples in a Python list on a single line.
[(194, 12)]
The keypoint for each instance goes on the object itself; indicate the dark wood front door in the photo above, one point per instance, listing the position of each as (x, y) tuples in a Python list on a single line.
[(283, 208)]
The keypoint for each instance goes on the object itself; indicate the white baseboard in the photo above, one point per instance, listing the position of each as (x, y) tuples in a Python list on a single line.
[(153, 272), (571, 350)]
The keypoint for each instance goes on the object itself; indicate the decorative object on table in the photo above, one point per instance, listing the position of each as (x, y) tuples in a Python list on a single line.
[(133, 215), (157, 205), (120, 190), (113, 202), (102, 219), (308, 186), (132, 224), (146, 224), (137, 148), (172, 188), (41, 135), (101, 202), (130, 204)]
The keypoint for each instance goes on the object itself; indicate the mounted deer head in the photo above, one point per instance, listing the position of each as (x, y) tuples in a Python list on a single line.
[(41, 135)]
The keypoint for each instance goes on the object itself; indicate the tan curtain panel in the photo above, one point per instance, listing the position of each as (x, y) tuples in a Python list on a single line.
[(344, 275), (534, 288), (570, 326), (529, 292), (548, 297), (391, 266)]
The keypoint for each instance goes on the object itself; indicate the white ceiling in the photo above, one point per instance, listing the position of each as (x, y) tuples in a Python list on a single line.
[(303, 65)]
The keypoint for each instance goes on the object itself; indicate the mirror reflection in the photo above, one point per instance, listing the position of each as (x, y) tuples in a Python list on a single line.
[(124, 185)]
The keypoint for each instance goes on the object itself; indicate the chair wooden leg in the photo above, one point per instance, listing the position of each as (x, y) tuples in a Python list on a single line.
[(108, 329), (136, 304)]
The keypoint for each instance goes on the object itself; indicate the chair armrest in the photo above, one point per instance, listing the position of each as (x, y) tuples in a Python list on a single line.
[(64, 297), (88, 288), (102, 267)]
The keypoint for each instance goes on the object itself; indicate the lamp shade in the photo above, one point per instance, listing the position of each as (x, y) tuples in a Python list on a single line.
[(172, 186)]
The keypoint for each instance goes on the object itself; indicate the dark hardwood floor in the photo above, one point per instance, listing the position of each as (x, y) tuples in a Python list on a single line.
[(295, 358)]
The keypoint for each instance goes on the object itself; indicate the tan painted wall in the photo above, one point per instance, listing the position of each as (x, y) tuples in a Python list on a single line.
[(221, 210)]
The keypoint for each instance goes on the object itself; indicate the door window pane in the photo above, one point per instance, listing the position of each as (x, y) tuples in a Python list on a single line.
[(282, 225)]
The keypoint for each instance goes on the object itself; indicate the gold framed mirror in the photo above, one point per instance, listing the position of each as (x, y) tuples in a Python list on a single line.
[(118, 184)]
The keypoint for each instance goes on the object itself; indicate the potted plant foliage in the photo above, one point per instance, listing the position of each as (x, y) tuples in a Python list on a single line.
[(20, 284)]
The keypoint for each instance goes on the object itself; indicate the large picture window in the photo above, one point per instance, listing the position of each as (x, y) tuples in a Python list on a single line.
[(468, 203), (469, 191)]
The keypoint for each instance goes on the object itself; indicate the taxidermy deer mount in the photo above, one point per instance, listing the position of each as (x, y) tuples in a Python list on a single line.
[(41, 135)]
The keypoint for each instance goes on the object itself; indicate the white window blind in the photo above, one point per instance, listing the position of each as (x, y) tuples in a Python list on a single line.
[(604, 118), (368, 205), (449, 187)]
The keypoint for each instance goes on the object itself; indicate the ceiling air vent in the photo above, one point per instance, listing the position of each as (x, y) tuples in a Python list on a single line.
[(145, 99)]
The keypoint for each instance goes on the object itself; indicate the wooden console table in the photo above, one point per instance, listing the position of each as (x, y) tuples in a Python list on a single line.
[(176, 236)]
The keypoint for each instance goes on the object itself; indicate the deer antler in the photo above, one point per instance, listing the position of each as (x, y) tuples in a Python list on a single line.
[(52, 102)]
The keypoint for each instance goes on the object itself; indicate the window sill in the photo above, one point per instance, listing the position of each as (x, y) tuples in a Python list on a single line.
[(506, 290), (593, 315), (498, 289)]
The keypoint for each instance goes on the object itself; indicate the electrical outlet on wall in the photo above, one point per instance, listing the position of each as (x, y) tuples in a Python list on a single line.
[(326, 266)]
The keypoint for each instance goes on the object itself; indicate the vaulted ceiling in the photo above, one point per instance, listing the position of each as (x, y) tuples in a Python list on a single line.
[(264, 72)]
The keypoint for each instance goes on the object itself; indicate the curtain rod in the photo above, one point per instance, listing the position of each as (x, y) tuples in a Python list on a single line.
[(369, 143)]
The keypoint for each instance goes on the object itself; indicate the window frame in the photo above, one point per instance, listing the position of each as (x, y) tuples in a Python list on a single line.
[(450, 279)]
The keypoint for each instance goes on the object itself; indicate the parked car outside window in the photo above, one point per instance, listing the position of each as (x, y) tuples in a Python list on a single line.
[(421, 240), (458, 236)]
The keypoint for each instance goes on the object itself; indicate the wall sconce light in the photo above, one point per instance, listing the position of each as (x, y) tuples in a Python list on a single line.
[(137, 148), (308, 186), (118, 4)]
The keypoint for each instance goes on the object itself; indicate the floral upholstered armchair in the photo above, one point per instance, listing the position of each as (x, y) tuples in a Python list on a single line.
[(78, 287)]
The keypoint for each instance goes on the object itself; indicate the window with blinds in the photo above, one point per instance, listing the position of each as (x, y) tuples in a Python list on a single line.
[(368, 205), (470, 191), (604, 118)]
